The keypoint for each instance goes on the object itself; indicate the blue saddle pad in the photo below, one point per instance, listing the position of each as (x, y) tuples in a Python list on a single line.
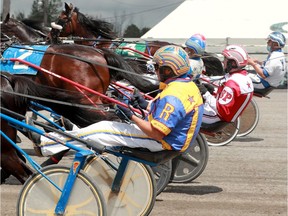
[(33, 54)]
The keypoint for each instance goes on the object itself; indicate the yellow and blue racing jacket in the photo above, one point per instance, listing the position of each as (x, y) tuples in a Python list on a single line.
[(177, 112)]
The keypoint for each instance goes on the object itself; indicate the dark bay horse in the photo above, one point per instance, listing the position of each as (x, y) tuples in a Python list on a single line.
[(11, 163), (19, 31)]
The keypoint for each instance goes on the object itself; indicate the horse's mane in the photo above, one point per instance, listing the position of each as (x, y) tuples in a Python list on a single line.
[(79, 115), (96, 26), (213, 65), (134, 74), (37, 26)]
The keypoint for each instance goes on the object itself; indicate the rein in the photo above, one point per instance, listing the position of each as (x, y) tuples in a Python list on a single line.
[(58, 102)]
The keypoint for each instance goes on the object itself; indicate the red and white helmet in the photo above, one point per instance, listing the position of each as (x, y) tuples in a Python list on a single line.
[(236, 53)]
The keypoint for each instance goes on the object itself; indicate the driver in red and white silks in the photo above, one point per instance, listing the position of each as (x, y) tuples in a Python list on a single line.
[(235, 90)]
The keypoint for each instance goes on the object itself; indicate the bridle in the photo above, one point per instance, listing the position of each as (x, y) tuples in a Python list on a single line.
[(61, 25)]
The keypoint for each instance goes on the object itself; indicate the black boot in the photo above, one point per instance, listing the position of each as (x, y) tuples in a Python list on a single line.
[(54, 159), (34, 137), (67, 124)]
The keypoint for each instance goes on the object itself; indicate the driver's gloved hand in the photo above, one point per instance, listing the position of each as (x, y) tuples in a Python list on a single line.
[(138, 100), (202, 89), (123, 112), (209, 87)]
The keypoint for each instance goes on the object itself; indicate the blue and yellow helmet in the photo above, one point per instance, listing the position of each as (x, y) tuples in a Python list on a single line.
[(174, 57)]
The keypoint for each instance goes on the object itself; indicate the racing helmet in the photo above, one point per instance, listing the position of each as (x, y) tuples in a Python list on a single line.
[(202, 37), (174, 57), (197, 42), (277, 37), (236, 53)]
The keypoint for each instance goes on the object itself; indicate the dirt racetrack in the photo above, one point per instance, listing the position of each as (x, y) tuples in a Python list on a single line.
[(248, 177)]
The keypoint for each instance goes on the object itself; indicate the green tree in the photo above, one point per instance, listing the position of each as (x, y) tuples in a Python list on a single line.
[(144, 30), (132, 31), (20, 16), (46, 10)]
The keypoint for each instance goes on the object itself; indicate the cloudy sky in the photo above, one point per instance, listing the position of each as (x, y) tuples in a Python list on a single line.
[(143, 13)]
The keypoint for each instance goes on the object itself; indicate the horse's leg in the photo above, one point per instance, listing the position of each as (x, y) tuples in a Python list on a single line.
[(54, 159), (10, 162), (4, 175)]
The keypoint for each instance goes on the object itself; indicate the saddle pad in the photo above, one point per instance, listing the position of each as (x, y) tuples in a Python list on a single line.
[(130, 53), (32, 54)]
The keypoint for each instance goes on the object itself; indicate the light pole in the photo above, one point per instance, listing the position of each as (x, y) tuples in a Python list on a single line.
[(5, 8), (44, 5), (45, 15)]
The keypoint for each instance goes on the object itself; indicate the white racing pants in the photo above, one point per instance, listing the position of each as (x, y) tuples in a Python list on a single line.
[(209, 115), (107, 133)]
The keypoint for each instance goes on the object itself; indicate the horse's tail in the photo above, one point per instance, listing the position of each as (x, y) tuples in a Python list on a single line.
[(131, 71), (77, 114)]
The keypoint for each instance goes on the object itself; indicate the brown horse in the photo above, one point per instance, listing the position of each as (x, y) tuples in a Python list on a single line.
[(70, 67), (90, 67), (12, 163)]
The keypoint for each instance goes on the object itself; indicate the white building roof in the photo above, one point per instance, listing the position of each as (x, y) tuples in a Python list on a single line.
[(223, 19)]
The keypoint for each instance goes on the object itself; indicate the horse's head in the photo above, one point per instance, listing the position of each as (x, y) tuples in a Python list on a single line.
[(65, 24), (73, 23), (12, 28), (9, 27)]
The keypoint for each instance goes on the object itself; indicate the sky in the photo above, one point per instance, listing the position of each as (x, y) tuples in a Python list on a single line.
[(143, 13)]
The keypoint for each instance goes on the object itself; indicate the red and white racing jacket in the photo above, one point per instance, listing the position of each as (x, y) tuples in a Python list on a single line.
[(232, 97)]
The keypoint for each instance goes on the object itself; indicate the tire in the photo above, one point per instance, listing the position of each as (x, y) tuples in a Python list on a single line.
[(249, 119), (225, 136), (137, 192), (188, 166), (39, 197), (162, 174)]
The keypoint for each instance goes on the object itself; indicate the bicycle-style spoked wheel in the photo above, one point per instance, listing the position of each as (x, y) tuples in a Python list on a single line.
[(189, 165), (162, 174), (249, 119), (39, 197), (137, 192), (225, 135)]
